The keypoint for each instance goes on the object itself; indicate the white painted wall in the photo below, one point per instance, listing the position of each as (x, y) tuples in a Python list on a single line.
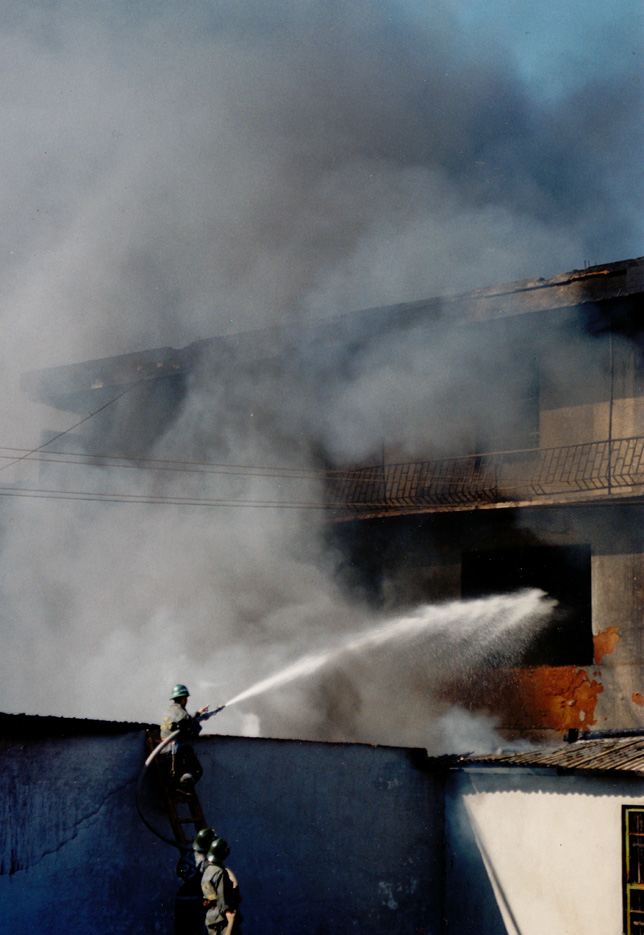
[(551, 847)]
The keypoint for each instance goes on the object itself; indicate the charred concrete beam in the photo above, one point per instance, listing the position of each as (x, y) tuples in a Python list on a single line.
[(86, 386)]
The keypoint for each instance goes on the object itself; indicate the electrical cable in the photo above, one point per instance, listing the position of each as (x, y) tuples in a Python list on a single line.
[(166, 464), (205, 467), (92, 461), (75, 426), (36, 493), (356, 476)]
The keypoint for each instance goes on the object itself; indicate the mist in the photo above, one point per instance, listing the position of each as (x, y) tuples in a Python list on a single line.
[(173, 172)]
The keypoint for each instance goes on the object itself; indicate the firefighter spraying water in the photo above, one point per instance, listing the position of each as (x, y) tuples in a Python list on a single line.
[(213, 901), (178, 766), (483, 629)]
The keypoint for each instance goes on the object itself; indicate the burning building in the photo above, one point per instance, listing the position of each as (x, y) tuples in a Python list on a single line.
[(449, 453), (456, 447)]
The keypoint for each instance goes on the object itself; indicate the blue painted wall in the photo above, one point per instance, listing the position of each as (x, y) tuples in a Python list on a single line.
[(323, 837)]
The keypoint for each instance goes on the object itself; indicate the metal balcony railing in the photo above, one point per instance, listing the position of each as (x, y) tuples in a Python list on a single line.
[(495, 477)]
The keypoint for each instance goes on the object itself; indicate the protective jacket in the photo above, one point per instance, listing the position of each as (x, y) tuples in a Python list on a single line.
[(217, 889), (177, 718)]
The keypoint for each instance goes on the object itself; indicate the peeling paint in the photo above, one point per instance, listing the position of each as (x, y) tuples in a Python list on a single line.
[(546, 698), (604, 643)]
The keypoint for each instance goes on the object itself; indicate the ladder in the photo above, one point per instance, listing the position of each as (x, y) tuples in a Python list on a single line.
[(183, 810)]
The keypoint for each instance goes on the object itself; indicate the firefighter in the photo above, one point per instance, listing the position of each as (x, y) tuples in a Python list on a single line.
[(201, 846), (180, 760), (189, 911), (220, 891)]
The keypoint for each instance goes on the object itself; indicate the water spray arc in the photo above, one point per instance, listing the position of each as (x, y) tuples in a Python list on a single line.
[(473, 630), (477, 628)]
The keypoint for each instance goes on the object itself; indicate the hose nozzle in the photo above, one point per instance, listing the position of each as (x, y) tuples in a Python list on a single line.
[(208, 714)]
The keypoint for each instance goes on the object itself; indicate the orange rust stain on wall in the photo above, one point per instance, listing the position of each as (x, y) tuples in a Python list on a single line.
[(604, 643), (543, 698), (638, 699)]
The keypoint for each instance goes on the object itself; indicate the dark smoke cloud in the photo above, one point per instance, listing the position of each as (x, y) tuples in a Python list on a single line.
[(173, 171)]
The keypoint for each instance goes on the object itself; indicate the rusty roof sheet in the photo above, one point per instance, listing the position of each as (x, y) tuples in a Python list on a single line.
[(601, 754)]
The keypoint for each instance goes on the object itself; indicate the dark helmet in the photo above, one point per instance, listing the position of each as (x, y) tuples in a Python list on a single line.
[(179, 691), (218, 851), (203, 840)]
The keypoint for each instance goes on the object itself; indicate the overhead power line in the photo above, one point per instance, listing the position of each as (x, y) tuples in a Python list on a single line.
[(72, 427), (159, 464), (355, 475), (158, 499)]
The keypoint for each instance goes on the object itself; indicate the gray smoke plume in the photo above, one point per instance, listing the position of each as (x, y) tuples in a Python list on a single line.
[(178, 171)]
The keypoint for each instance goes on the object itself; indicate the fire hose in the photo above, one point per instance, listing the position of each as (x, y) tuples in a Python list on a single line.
[(161, 746)]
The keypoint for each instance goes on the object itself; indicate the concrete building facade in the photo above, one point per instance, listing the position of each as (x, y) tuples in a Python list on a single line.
[(546, 492), (519, 463)]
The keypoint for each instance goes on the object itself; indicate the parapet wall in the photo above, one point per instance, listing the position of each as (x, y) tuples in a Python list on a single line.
[(323, 837)]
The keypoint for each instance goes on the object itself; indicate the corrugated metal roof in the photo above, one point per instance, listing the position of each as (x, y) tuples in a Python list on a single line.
[(600, 754)]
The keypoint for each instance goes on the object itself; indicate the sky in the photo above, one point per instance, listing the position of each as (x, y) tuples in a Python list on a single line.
[(173, 171)]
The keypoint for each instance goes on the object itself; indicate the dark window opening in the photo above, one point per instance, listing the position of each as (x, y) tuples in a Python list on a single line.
[(563, 572), (633, 858)]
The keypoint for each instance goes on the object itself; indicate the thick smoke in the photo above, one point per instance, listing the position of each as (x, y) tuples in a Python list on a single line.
[(177, 171)]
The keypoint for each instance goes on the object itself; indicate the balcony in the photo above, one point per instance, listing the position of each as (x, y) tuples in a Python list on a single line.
[(574, 473)]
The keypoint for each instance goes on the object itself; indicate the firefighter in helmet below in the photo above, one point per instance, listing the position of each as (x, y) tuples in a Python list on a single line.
[(189, 910), (220, 890), (179, 759)]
